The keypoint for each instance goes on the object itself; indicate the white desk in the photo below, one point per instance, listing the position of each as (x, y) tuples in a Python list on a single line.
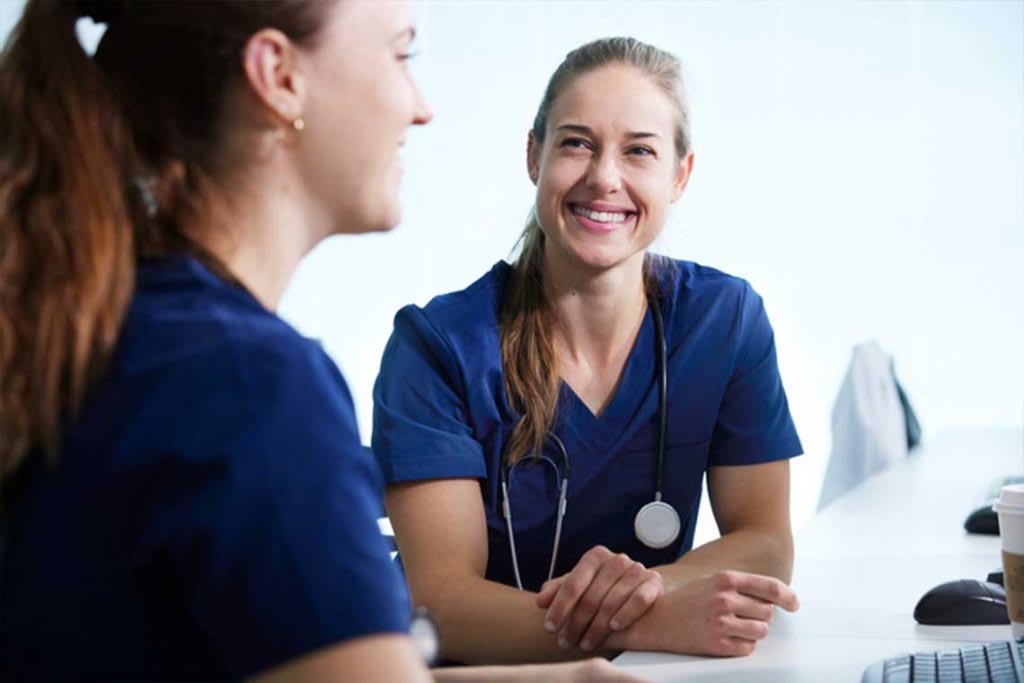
[(864, 562)]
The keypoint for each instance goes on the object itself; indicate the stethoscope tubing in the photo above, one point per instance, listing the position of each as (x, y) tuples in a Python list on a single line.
[(662, 352)]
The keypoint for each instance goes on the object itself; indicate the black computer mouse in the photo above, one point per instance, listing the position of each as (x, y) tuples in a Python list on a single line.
[(966, 602), (984, 520)]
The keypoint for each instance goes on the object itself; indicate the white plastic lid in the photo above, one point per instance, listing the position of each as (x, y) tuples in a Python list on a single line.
[(1011, 499)]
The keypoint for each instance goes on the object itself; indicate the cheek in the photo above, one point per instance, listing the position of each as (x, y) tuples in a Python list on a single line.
[(557, 178)]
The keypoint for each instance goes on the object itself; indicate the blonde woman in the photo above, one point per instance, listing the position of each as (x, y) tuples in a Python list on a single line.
[(545, 431)]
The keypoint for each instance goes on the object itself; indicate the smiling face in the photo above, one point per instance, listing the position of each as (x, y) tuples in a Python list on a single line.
[(607, 169)]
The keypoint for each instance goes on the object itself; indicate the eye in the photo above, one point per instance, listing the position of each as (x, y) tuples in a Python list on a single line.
[(641, 150), (575, 143), (406, 56)]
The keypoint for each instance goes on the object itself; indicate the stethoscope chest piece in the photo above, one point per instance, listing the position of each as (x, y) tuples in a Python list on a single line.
[(657, 525)]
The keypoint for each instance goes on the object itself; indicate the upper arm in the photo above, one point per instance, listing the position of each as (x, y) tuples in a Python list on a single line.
[(753, 423), (441, 532), (364, 660), (751, 497), (420, 425), (430, 456)]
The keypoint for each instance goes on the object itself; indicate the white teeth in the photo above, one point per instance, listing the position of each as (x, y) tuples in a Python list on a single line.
[(599, 216)]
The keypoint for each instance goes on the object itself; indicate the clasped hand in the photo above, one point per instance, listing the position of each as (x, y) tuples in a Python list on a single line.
[(722, 614)]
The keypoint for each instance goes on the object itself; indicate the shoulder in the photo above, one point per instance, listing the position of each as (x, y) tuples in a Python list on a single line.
[(701, 279), (478, 302), (457, 323), (688, 285), (207, 355)]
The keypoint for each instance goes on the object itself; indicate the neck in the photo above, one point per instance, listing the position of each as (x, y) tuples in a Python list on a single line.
[(599, 312), (260, 234)]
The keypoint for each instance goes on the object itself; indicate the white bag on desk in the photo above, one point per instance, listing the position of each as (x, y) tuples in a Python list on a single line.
[(869, 429)]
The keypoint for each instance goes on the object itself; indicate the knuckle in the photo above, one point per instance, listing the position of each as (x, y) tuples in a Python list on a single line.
[(722, 603), (725, 580), (648, 593), (571, 589), (635, 571)]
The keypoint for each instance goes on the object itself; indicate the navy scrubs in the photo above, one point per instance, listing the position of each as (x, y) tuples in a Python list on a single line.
[(211, 512), (440, 411)]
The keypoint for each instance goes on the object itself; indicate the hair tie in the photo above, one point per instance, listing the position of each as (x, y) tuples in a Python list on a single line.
[(100, 11)]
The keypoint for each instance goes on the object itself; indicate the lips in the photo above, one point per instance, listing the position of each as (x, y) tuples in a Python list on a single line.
[(602, 218)]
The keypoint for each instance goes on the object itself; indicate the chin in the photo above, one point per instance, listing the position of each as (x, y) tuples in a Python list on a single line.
[(599, 259)]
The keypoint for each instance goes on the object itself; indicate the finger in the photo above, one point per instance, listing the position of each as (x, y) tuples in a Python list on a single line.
[(592, 601), (746, 629), (637, 603), (754, 608), (617, 595), (573, 586), (767, 588), (627, 600), (738, 647), (548, 592)]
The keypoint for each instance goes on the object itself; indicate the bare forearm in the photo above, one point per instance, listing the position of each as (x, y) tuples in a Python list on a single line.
[(484, 622), (750, 550)]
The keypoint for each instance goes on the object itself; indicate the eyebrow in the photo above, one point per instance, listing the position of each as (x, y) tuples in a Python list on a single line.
[(577, 128)]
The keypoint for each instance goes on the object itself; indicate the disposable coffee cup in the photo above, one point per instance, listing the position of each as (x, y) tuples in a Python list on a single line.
[(1010, 508)]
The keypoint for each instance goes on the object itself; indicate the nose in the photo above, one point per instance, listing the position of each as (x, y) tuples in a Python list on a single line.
[(422, 113), (603, 176)]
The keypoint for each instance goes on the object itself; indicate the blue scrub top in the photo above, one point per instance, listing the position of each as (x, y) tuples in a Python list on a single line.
[(210, 514), (440, 411)]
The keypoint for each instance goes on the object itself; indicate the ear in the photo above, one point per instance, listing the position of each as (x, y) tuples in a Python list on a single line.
[(272, 70), (532, 157), (682, 177)]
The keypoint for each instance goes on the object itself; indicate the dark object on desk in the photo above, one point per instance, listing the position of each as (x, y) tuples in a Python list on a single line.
[(966, 602), (1001, 662), (910, 420), (984, 520), (996, 577)]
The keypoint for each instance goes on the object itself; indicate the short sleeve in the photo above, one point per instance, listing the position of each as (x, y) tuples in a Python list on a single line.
[(264, 513), (753, 423), (420, 430)]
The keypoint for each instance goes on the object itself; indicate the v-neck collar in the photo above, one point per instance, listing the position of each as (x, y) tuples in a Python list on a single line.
[(638, 377)]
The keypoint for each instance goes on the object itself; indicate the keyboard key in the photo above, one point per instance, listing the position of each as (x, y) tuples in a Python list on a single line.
[(975, 667), (897, 669), (949, 667), (1000, 662), (924, 667)]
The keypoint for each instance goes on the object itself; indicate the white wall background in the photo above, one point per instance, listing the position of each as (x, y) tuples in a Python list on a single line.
[(861, 163)]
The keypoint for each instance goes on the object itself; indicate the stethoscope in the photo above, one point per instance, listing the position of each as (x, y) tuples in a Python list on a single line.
[(656, 524)]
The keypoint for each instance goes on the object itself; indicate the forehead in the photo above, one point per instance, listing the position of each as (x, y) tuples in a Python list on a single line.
[(368, 20), (615, 99)]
